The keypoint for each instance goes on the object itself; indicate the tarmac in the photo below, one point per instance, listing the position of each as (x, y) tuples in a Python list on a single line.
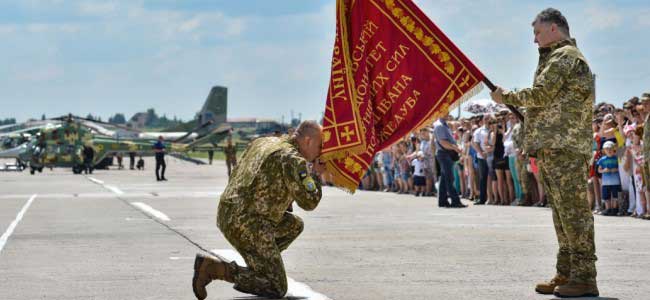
[(120, 234)]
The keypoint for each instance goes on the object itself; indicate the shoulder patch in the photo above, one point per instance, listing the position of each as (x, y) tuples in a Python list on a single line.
[(309, 184), (302, 175)]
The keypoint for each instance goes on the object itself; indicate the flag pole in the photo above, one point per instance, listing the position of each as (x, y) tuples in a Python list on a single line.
[(513, 109)]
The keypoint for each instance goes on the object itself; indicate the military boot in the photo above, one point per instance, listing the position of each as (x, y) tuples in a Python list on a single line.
[(547, 288), (206, 269), (573, 289)]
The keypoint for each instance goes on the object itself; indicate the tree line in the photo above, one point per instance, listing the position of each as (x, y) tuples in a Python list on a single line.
[(8, 121)]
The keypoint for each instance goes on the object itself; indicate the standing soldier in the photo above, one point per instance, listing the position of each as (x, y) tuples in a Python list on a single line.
[(159, 150), (119, 157), (89, 156), (559, 113), (131, 160), (231, 155), (252, 212), (210, 156)]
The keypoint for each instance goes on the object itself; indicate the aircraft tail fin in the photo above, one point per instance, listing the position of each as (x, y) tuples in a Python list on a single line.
[(215, 107)]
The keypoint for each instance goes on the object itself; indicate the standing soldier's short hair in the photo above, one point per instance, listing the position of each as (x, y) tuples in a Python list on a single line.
[(552, 15), (307, 128)]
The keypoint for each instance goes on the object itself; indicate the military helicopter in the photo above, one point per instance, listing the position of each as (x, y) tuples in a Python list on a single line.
[(62, 146), (59, 142)]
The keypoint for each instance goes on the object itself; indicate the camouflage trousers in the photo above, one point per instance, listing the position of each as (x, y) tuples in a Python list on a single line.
[(564, 176), (230, 164), (260, 243)]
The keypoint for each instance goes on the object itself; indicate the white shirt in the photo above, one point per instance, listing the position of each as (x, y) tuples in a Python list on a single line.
[(425, 147), (418, 166), (480, 137)]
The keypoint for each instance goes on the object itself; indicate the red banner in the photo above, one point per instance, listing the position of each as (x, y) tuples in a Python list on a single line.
[(393, 71)]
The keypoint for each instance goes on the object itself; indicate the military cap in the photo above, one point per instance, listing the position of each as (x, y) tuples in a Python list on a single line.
[(645, 97)]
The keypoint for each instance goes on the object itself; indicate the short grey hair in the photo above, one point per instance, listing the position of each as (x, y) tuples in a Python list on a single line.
[(553, 16), (307, 128)]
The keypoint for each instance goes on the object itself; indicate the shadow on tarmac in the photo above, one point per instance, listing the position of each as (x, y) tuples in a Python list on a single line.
[(285, 298), (588, 298)]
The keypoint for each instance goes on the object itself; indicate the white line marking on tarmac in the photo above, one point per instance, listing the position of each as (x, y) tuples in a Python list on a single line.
[(109, 193), (137, 219), (171, 194), (295, 289), (114, 189), (111, 188), (12, 226), (151, 211), (96, 180)]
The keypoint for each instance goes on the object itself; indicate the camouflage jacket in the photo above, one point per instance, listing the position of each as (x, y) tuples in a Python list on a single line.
[(230, 152), (271, 174), (559, 104), (646, 137)]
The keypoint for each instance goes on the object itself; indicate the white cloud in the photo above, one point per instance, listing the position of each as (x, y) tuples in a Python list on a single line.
[(7, 29), (235, 27), (170, 25), (643, 18), (97, 8), (215, 24), (644, 21), (38, 28), (40, 73), (50, 28), (42, 3), (604, 17), (190, 25)]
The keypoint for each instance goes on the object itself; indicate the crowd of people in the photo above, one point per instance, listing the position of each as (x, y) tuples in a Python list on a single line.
[(492, 167)]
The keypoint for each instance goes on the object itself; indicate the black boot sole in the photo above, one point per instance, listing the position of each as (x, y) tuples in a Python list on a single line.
[(588, 295), (542, 292)]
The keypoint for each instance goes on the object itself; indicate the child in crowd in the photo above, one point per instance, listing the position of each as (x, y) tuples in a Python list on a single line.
[(611, 182), (404, 169), (419, 168)]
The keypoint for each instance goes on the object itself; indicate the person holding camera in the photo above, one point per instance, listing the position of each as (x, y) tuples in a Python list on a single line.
[(501, 162)]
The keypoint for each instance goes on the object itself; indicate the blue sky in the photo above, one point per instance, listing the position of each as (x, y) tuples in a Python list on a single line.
[(103, 57)]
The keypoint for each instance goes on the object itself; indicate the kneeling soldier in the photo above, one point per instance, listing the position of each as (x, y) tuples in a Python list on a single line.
[(253, 215)]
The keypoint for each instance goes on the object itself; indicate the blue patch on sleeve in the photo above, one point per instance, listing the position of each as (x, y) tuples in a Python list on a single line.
[(309, 184)]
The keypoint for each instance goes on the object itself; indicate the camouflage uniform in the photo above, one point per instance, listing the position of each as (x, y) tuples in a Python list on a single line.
[(252, 212), (231, 157), (522, 173), (558, 131)]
